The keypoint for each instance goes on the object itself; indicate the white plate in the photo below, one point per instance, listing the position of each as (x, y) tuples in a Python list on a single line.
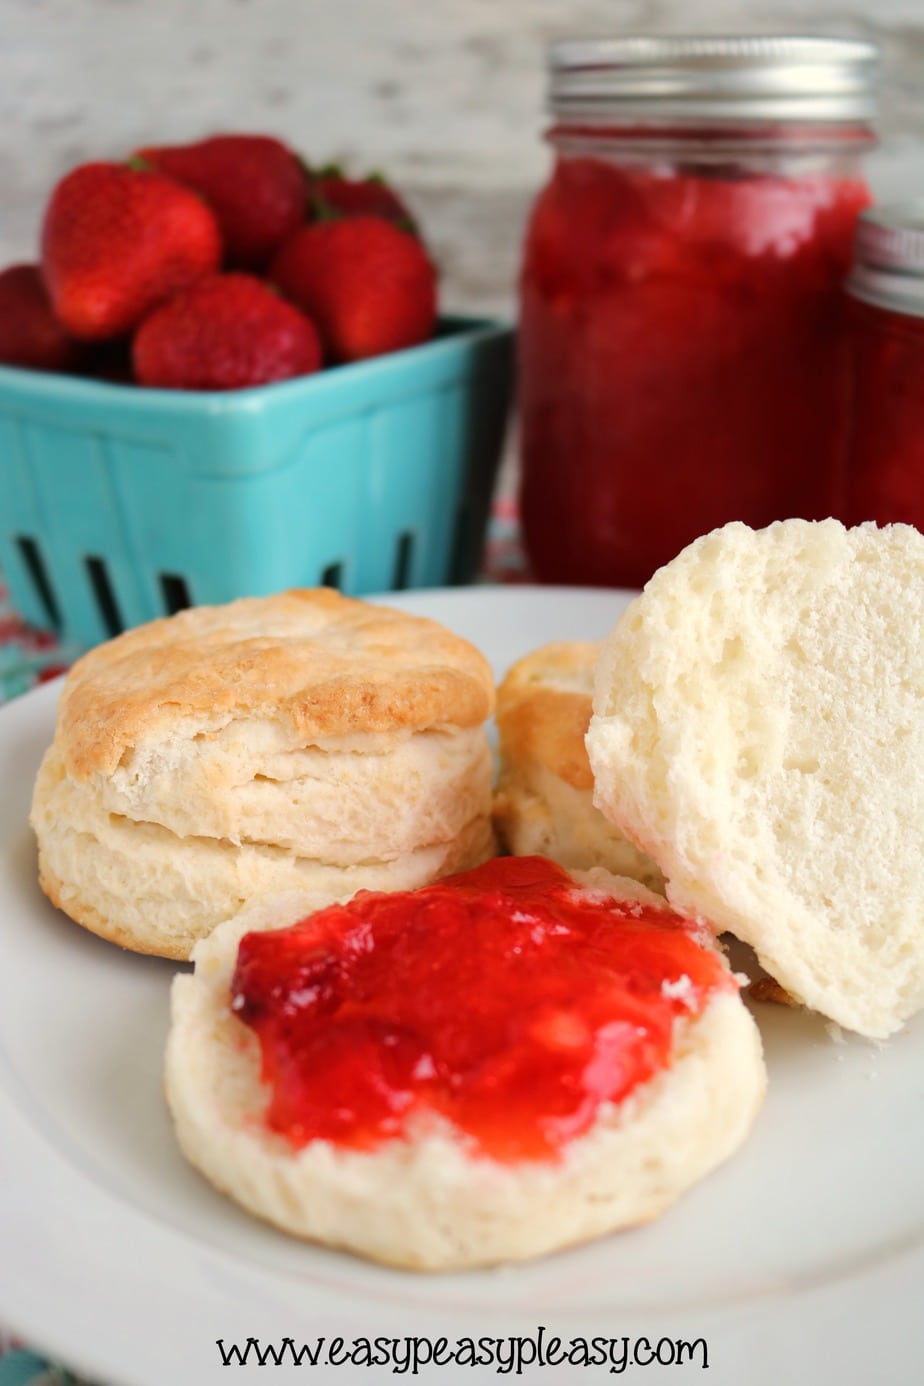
[(800, 1260)]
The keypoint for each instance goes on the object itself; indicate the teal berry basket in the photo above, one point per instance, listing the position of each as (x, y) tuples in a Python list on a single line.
[(119, 504)]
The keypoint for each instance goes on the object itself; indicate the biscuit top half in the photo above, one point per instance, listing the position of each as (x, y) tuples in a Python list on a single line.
[(543, 710), (319, 664)]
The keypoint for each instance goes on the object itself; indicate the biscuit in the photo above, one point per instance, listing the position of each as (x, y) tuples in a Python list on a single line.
[(544, 801), (302, 740), (758, 728), (424, 1201)]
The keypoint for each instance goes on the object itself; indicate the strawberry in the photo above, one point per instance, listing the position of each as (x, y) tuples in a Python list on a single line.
[(332, 195), (255, 185), (30, 334), (117, 241), (226, 332), (369, 286)]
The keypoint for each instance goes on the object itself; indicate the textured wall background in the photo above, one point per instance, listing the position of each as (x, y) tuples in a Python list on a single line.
[(445, 94)]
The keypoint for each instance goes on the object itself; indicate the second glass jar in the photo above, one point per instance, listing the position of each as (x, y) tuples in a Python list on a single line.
[(885, 340), (681, 296)]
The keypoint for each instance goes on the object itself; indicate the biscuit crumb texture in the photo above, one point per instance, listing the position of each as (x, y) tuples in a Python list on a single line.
[(758, 730), (305, 741), (544, 800), (428, 1202)]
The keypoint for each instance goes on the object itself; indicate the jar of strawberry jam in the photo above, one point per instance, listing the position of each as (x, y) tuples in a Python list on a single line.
[(885, 343), (681, 294)]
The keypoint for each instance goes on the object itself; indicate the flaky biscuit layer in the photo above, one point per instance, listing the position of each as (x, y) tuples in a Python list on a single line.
[(146, 888), (317, 663)]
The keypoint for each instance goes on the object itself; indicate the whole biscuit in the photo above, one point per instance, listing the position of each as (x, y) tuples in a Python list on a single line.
[(305, 739)]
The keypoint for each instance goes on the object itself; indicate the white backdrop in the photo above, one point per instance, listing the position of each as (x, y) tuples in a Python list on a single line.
[(446, 95)]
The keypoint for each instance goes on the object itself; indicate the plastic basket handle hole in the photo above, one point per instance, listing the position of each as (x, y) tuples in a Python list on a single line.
[(105, 596), (404, 555), (332, 575), (38, 574), (175, 593), (460, 562)]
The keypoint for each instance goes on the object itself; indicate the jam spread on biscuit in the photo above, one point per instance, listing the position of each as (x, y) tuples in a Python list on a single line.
[(507, 999)]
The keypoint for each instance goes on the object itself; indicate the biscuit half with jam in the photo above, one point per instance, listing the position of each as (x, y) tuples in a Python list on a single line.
[(508, 1062)]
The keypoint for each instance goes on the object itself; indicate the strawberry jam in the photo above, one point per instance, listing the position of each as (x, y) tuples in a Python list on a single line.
[(680, 299), (885, 474), (886, 467), (507, 1000), (679, 362)]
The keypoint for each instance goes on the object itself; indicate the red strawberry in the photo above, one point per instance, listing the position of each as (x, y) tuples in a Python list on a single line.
[(117, 241), (369, 287), (256, 187), (30, 334), (226, 332), (333, 195)]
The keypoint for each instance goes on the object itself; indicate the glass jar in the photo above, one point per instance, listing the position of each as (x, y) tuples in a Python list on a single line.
[(682, 292), (885, 342)]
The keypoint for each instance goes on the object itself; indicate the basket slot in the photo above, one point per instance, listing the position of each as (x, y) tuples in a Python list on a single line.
[(332, 575), (463, 535), (38, 572), (404, 555), (105, 596), (176, 593)]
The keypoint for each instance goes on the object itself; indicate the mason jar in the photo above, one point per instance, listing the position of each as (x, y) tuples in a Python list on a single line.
[(681, 294), (885, 340)]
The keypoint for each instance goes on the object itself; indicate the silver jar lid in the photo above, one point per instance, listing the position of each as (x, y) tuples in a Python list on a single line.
[(714, 78), (888, 267)]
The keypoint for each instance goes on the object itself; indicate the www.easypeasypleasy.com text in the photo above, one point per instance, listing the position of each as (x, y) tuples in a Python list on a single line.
[(507, 1355)]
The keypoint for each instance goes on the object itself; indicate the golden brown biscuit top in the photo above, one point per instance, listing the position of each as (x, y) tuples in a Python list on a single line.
[(321, 664), (543, 710)]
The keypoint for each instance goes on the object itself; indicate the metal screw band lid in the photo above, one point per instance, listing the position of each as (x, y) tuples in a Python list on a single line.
[(888, 265), (722, 78)]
